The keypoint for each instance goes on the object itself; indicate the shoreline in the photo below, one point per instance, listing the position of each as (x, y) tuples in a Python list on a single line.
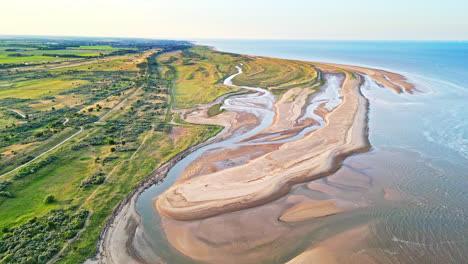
[(117, 233), (126, 210)]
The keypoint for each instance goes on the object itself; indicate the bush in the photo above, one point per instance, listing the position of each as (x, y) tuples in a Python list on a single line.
[(6, 194), (38, 134), (38, 241), (51, 225), (49, 199)]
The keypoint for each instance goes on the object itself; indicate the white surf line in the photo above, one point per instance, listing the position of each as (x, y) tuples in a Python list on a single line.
[(43, 153), (18, 112)]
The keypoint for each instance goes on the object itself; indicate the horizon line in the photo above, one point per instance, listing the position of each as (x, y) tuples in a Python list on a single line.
[(211, 38)]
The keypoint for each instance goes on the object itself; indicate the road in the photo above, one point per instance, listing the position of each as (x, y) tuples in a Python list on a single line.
[(43, 153)]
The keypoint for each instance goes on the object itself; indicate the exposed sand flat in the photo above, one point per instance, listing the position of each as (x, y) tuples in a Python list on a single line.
[(246, 236), (342, 248), (287, 112), (229, 157), (319, 255), (310, 210), (394, 81), (349, 177), (324, 188), (270, 176)]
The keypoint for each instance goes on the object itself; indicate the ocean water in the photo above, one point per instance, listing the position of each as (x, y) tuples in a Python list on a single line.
[(416, 174)]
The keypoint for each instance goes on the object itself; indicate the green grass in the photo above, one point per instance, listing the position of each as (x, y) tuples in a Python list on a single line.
[(4, 59), (198, 79), (106, 47), (215, 110), (36, 56), (37, 88), (278, 73)]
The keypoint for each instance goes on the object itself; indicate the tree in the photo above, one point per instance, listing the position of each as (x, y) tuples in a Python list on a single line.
[(49, 199), (51, 225), (123, 143), (112, 149)]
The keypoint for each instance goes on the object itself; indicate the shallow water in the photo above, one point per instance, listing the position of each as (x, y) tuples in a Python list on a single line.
[(411, 188)]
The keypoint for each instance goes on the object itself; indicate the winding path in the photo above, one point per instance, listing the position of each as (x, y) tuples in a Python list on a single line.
[(43, 153), (18, 112)]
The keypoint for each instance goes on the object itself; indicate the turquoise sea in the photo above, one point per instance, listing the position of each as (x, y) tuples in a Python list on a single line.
[(419, 155)]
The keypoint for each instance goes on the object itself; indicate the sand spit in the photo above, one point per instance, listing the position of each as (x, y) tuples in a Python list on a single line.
[(338, 249), (310, 210), (394, 81)]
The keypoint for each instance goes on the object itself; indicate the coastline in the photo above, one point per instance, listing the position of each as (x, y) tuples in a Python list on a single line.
[(122, 225), (126, 212)]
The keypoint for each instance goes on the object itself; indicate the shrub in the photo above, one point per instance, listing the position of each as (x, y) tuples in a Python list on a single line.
[(49, 199), (51, 225), (7, 194)]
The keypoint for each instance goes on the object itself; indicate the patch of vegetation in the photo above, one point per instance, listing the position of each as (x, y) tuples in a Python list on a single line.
[(198, 75), (278, 73), (215, 110), (37, 240)]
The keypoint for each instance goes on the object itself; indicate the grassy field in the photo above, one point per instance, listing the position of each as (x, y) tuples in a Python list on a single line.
[(276, 73), (35, 89), (17, 53), (106, 47), (199, 74)]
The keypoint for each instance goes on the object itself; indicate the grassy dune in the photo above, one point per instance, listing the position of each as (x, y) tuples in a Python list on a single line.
[(276, 73), (199, 74)]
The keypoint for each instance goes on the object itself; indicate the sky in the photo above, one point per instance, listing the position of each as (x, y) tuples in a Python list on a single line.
[(239, 19)]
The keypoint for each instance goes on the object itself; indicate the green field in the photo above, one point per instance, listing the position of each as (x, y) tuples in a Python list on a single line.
[(34, 89), (20, 54), (199, 75), (93, 48)]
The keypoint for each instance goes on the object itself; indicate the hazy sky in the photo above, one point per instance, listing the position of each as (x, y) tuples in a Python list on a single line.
[(272, 19)]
